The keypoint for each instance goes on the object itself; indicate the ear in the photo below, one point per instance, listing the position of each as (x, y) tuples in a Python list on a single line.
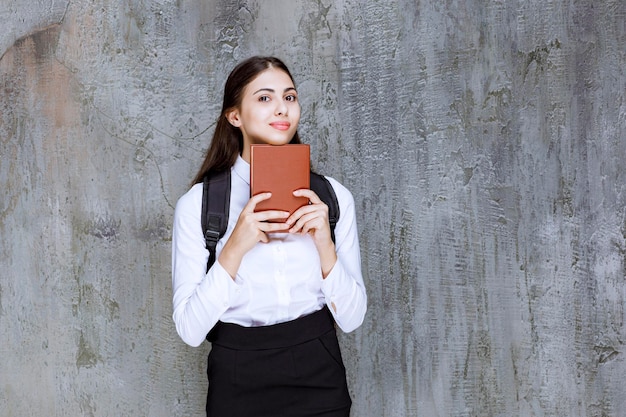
[(232, 116)]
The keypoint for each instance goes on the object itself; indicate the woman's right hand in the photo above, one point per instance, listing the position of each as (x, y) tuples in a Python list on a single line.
[(251, 228)]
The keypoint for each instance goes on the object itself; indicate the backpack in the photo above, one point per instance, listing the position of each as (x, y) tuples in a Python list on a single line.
[(216, 204)]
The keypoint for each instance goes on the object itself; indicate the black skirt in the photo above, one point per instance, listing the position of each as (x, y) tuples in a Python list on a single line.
[(291, 369)]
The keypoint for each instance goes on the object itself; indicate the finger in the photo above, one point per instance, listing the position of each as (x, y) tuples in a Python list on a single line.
[(268, 227), (264, 238), (307, 222), (254, 200), (266, 215), (319, 210), (310, 194)]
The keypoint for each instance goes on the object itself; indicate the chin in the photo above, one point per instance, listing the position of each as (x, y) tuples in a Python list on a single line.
[(278, 141)]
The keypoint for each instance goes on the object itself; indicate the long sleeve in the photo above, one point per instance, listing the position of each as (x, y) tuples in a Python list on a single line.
[(343, 287), (199, 299)]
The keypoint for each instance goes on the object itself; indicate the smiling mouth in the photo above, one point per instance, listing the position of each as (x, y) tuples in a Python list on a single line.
[(280, 125)]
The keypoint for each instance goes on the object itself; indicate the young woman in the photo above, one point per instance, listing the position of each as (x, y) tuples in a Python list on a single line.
[(271, 300)]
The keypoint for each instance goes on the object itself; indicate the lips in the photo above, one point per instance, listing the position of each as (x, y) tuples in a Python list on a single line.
[(281, 125)]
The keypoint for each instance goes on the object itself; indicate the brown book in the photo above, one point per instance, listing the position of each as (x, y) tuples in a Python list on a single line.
[(280, 170)]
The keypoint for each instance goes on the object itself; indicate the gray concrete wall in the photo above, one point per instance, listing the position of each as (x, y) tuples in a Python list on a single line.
[(484, 142)]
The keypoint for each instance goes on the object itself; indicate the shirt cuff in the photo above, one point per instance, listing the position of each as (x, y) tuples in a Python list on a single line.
[(332, 283)]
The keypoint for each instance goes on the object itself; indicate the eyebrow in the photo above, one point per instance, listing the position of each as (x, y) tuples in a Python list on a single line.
[(271, 90)]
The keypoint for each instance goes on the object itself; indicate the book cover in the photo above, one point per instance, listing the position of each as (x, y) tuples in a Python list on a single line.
[(280, 170)]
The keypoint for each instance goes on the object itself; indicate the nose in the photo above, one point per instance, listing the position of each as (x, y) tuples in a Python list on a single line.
[(281, 108)]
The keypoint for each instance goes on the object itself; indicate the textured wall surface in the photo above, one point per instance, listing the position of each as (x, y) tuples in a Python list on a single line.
[(484, 142)]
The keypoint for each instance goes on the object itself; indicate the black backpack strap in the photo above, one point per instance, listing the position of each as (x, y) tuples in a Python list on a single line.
[(320, 185), (215, 208)]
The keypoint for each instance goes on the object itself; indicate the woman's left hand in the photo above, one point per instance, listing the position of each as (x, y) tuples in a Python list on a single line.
[(313, 219)]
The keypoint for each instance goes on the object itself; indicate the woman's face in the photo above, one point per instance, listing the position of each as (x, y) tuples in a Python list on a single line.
[(269, 111)]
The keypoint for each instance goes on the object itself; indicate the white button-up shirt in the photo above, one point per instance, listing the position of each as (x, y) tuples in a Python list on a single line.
[(276, 282)]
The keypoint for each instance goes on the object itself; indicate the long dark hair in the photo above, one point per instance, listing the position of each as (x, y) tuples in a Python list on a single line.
[(227, 141)]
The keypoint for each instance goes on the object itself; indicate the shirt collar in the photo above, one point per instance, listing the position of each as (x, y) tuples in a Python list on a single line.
[(242, 169)]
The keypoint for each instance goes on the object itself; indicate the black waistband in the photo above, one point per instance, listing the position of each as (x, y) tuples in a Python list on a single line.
[(276, 336)]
